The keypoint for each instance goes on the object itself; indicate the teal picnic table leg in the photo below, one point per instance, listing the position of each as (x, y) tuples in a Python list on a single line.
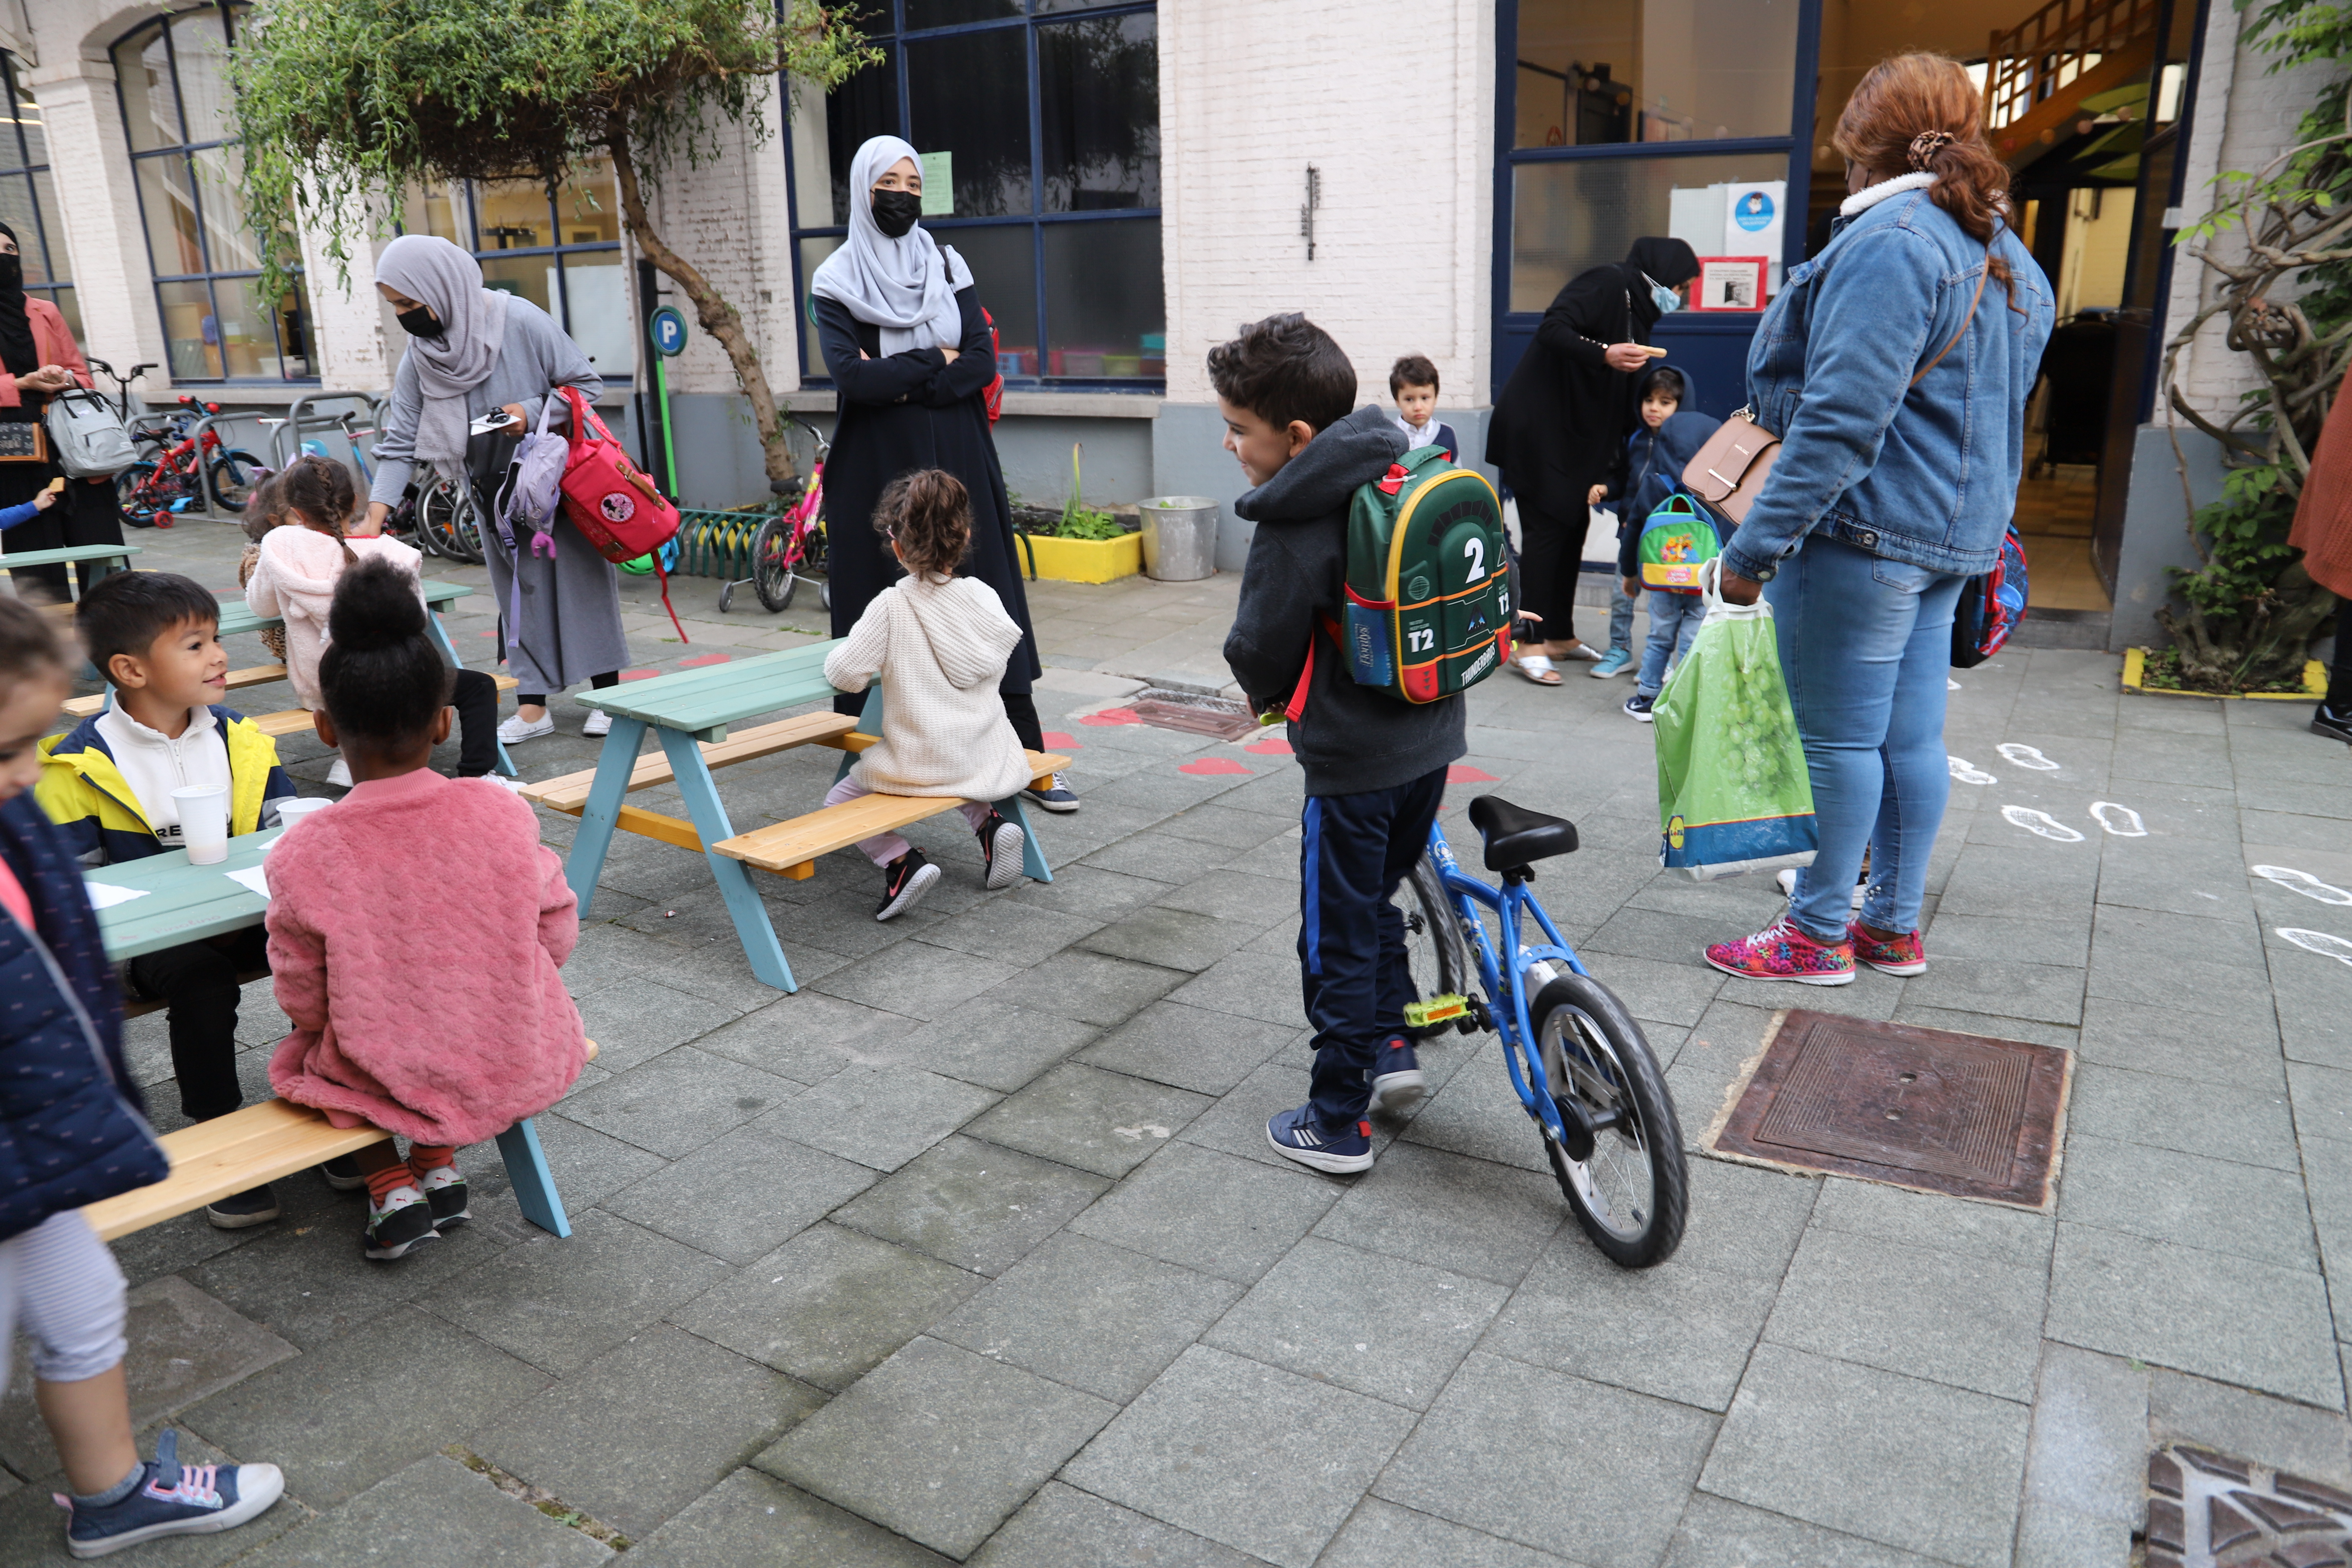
[(441, 635), (869, 722), (527, 1173), (614, 763), (734, 878)]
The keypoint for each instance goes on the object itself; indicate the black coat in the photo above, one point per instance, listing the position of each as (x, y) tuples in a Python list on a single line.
[(912, 411), (1560, 426)]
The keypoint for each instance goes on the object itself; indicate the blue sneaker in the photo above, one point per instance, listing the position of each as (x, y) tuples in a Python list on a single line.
[(1614, 662), (172, 1498), (1397, 1083), (1295, 1134)]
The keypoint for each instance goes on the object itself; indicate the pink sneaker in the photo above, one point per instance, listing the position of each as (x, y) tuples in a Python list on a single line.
[(1904, 955), (1782, 951)]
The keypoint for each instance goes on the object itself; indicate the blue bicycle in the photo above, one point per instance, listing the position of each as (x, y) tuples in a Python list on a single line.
[(1589, 1081)]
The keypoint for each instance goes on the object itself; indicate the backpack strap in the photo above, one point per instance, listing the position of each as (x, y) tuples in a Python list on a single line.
[(1982, 278), (1296, 706)]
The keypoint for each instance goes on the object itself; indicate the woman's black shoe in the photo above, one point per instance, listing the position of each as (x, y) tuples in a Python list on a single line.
[(2332, 723)]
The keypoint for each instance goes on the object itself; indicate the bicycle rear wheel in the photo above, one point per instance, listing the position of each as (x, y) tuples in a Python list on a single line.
[(1433, 948), (1625, 1180), (772, 562), (445, 519), (233, 476)]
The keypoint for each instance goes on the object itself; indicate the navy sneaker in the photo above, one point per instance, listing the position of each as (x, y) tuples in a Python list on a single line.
[(256, 1206), (999, 851), (343, 1174), (1296, 1135), (1638, 707), (1055, 796), (1397, 1083), (172, 1498)]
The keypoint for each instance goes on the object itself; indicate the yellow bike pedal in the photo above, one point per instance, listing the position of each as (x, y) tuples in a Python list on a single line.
[(1436, 1010)]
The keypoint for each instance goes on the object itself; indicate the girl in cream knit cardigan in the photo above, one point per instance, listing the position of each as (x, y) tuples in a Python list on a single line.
[(943, 642)]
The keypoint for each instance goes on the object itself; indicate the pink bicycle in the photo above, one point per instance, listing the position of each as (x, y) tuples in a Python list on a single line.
[(790, 543)]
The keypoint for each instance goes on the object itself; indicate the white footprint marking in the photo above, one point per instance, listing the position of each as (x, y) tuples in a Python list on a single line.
[(2123, 824), (1135, 1134), (2026, 756), (2317, 941), (1967, 771), (2304, 882), (2039, 822)]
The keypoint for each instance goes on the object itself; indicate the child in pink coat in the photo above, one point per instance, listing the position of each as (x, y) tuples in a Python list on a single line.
[(443, 1054)]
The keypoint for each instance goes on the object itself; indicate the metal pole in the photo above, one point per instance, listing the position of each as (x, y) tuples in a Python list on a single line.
[(669, 442)]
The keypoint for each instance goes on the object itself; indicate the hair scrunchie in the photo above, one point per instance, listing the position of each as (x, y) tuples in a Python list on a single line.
[(1925, 146)]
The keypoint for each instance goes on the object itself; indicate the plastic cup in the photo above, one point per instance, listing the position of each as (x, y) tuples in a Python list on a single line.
[(291, 812), (203, 823)]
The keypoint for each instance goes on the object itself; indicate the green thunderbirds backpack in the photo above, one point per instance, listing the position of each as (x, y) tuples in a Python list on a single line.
[(1429, 582)]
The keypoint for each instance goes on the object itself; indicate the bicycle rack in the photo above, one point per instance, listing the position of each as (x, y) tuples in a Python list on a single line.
[(285, 440)]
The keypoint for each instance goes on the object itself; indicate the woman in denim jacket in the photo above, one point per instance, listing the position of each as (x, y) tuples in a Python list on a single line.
[(1891, 488)]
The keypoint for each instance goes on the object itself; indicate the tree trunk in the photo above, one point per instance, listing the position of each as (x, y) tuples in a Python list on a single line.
[(718, 318)]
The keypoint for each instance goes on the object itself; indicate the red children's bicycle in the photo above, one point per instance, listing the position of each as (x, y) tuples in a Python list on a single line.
[(791, 542), (180, 468)]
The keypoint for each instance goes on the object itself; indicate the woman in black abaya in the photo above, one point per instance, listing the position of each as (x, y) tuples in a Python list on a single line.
[(39, 358), (1560, 426)]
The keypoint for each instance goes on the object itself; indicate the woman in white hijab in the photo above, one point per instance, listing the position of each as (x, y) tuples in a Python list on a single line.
[(908, 346), (473, 349)]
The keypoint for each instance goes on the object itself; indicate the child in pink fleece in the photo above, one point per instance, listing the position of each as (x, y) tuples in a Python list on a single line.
[(443, 1054)]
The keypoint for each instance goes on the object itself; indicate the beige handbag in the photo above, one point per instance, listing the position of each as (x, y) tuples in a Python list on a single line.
[(1728, 472)]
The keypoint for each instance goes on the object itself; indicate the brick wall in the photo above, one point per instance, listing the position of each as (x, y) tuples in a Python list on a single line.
[(731, 219)]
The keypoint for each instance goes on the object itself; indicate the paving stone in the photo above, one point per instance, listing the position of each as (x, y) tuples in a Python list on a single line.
[(1922, 1465), (754, 1518), (1171, 938), (2293, 1437), (2241, 1049), (1002, 1048), (1715, 1532), (1251, 984), (2036, 991), (1743, 1221), (1260, 1459), (2322, 1101), (341, 1418), (1091, 1315), (1090, 892), (1163, 857), (827, 1306), (1661, 992), (808, 1036), (2251, 1324), (588, 1166), (1950, 1317), (1479, 1114), (743, 1195), (1209, 1211), (974, 1205), (2250, 1126), (1383, 1535), (437, 1510), (914, 978), (937, 1444), (2197, 980), (881, 1116), (1507, 1442), (635, 1020), (1101, 1121), (1472, 1217), (2243, 1209), (2088, 1457), (1062, 1527), (679, 1100), (1009, 932), (1936, 1223), (1236, 1124), (1190, 1047), (1218, 822), (1091, 987), (1241, 898)]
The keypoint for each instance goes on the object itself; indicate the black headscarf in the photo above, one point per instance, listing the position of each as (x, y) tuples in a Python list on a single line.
[(1669, 261), (18, 352)]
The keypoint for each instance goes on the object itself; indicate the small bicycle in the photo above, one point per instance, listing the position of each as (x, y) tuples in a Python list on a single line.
[(1589, 1082), (792, 541)]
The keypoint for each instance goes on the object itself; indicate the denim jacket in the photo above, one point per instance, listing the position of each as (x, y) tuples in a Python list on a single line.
[(1923, 474)]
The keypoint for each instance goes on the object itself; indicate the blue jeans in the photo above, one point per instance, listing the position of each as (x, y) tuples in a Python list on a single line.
[(1866, 645), (1673, 621), (1620, 616)]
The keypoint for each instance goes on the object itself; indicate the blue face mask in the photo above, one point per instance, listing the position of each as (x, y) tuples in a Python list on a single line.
[(1664, 299)]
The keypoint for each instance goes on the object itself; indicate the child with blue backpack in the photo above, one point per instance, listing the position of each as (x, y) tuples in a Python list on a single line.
[(1655, 456)]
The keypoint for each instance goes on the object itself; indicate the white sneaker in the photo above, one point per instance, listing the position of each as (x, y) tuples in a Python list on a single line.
[(1786, 883), (339, 776), (599, 723), (514, 730)]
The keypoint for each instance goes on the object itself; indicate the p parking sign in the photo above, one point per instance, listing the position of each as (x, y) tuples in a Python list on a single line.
[(666, 328)]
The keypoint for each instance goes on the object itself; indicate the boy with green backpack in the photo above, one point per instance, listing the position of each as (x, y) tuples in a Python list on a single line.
[(1376, 589)]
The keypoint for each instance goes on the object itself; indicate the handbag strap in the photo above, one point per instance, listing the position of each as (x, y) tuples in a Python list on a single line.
[(1982, 278)]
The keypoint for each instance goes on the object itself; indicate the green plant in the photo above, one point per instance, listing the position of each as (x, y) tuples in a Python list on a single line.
[(1087, 522), (345, 104), (2249, 609)]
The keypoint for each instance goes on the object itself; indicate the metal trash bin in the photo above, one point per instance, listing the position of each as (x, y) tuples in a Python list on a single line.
[(1179, 537)]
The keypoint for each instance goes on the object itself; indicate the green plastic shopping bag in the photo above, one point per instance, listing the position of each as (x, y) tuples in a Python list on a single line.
[(1733, 793)]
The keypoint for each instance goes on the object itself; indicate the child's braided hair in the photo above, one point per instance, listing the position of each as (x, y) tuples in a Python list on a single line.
[(322, 491)]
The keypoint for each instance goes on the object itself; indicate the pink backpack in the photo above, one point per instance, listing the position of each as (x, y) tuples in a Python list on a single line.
[(611, 501)]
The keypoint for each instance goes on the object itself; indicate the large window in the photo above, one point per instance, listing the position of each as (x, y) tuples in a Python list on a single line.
[(28, 203), (173, 75), (560, 249), (1039, 125)]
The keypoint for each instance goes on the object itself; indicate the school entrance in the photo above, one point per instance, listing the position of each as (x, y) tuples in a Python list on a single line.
[(1710, 120)]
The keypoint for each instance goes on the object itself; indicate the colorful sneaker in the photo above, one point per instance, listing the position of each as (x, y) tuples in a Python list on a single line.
[(1295, 1136), (1397, 1083), (404, 1222), (444, 1195), (1638, 707), (1614, 662), (903, 882), (172, 1498), (343, 1174), (1904, 955), (999, 851), (255, 1205), (1782, 951), (1055, 796)]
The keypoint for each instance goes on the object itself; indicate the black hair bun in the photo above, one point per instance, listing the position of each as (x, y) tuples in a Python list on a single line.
[(376, 606)]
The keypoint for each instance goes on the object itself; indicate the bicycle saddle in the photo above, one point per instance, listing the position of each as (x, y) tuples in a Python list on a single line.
[(1515, 836)]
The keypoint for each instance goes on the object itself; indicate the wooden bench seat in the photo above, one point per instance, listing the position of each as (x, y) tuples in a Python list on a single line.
[(790, 848), (569, 792)]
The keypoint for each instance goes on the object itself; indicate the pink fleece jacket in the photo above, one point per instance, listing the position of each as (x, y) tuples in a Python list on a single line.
[(296, 577), (415, 928)]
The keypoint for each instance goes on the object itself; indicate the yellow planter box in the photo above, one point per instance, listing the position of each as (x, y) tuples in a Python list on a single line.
[(1085, 559), (2315, 683)]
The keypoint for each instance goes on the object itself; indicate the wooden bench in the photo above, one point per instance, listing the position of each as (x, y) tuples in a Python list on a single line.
[(115, 556), (790, 848), (569, 793)]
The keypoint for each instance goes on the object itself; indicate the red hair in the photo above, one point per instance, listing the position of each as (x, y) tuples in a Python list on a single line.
[(1920, 112)]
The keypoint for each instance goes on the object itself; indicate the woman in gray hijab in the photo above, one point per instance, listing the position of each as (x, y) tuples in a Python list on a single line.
[(472, 351)]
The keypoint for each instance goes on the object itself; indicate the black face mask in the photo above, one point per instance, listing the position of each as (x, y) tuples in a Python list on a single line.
[(419, 323), (12, 273), (895, 212)]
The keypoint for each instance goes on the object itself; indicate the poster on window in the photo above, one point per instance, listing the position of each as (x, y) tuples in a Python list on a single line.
[(1730, 283), (1753, 211)]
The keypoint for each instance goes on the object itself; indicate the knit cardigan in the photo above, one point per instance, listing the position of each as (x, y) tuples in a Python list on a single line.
[(296, 578), (941, 646), (452, 1045)]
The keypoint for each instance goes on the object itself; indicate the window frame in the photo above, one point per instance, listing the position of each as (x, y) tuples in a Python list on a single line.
[(469, 193), (1028, 19), (185, 151), (60, 281)]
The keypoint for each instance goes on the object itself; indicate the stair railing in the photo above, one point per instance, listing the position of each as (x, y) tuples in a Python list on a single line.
[(2028, 63)]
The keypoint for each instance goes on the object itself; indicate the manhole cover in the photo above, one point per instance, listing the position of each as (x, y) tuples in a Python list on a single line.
[(1962, 1114), (1194, 714), (2208, 1511)]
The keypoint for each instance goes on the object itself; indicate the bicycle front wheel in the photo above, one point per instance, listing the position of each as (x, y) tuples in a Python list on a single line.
[(444, 516), (1624, 1178), (1433, 948), (233, 474), (772, 562)]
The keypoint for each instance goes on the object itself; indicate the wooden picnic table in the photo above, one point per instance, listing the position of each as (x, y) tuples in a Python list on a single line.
[(72, 554)]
